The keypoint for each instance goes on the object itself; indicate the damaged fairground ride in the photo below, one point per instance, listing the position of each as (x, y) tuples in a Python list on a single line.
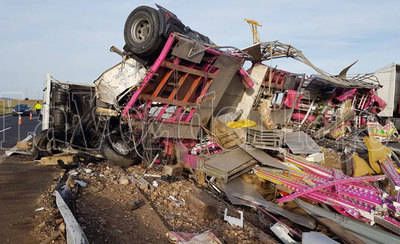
[(178, 98), (164, 92)]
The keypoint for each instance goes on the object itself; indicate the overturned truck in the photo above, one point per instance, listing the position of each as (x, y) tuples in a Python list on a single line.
[(164, 91), (162, 98), (178, 97)]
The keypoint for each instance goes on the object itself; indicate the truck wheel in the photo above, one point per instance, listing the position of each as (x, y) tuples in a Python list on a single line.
[(142, 31), (40, 142), (117, 158)]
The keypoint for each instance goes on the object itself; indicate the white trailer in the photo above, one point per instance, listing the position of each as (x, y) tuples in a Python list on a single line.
[(389, 78)]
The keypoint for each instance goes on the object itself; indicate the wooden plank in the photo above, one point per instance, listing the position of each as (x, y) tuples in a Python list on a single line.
[(199, 99), (53, 160), (162, 83), (180, 83), (188, 70), (192, 88), (173, 94)]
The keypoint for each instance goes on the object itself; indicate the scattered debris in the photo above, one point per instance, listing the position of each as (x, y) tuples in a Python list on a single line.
[(201, 125), (22, 147), (316, 238), (59, 159), (282, 232), (137, 204), (123, 180), (232, 220)]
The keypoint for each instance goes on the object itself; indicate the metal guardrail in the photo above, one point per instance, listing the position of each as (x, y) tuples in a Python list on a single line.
[(75, 234)]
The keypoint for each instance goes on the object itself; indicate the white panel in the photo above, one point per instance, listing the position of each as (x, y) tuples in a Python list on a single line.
[(387, 78), (246, 104), (116, 80)]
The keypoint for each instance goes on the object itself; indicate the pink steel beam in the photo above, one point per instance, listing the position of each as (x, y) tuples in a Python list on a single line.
[(329, 184), (389, 169), (247, 81), (325, 197), (153, 69)]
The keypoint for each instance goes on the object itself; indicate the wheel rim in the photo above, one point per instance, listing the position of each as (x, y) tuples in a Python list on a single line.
[(141, 30)]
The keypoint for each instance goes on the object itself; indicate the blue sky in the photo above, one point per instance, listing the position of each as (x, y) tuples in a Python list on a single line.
[(70, 39)]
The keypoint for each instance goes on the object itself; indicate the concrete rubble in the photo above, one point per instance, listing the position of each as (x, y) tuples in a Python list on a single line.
[(200, 137)]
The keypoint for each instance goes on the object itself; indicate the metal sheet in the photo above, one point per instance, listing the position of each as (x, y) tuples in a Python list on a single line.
[(313, 237), (75, 234), (239, 187), (228, 160), (228, 67), (375, 234), (263, 158), (189, 50), (301, 143), (275, 209), (389, 78), (118, 79), (228, 164)]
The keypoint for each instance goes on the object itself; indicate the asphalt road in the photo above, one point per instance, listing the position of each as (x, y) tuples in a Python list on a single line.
[(21, 184), (11, 132)]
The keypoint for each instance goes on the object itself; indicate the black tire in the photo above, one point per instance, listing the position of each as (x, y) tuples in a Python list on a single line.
[(142, 32), (40, 142), (118, 159)]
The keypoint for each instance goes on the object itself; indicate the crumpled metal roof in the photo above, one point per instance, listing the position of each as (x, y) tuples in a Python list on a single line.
[(276, 49)]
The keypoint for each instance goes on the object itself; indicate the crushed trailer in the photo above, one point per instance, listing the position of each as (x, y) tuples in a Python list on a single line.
[(178, 99)]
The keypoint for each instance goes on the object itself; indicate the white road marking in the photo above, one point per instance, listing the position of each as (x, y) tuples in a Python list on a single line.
[(5, 129)]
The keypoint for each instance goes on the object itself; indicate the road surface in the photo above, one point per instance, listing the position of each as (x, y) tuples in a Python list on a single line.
[(21, 183), (11, 131)]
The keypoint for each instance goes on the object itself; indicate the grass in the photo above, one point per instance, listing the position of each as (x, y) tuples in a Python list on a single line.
[(6, 105)]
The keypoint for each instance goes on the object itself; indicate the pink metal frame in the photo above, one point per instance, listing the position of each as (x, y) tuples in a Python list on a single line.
[(349, 196), (150, 73), (178, 116)]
